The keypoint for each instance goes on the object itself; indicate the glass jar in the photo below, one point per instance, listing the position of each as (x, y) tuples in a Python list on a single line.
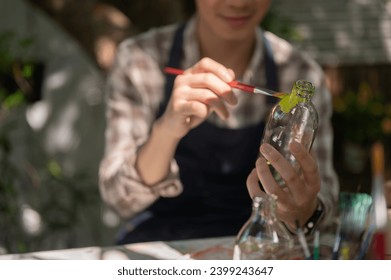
[(262, 236)]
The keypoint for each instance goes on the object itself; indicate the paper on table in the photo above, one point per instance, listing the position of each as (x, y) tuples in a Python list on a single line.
[(88, 253), (158, 250)]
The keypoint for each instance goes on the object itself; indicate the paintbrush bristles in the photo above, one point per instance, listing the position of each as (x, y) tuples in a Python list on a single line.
[(377, 157)]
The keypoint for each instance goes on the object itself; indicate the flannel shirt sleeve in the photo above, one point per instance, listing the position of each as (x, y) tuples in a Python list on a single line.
[(133, 92)]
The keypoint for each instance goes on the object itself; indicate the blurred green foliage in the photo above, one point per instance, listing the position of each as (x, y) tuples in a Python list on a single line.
[(40, 206), (362, 117), (280, 25), (16, 71)]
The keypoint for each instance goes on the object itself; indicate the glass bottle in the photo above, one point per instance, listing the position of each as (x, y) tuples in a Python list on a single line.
[(262, 237), (294, 118)]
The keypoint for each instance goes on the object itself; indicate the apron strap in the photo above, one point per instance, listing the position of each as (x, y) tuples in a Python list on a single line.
[(174, 60), (271, 69)]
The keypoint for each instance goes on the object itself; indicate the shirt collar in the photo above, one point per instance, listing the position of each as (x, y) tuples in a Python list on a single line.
[(255, 68), (191, 48)]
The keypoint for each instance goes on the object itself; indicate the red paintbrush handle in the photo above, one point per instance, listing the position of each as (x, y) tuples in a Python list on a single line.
[(234, 84), (244, 87), (173, 71)]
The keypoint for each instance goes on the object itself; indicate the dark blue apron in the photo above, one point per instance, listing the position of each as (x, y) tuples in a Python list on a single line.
[(214, 163)]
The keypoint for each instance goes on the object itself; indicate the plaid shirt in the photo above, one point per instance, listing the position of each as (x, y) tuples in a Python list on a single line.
[(135, 89)]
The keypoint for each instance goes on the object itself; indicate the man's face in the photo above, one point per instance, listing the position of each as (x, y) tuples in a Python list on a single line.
[(231, 19)]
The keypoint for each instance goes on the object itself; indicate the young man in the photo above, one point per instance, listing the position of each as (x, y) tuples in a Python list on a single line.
[(180, 149)]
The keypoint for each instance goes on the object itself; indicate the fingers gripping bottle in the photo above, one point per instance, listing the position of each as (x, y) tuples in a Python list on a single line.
[(294, 118), (263, 235)]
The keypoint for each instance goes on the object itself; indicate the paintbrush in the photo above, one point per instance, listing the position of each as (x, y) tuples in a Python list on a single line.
[(379, 201), (316, 245), (236, 84), (302, 240), (378, 222)]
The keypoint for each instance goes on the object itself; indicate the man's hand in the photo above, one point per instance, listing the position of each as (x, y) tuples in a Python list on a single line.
[(198, 92), (299, 199)]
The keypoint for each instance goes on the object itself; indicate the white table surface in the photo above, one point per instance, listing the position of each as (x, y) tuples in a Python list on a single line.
[(208, 248)]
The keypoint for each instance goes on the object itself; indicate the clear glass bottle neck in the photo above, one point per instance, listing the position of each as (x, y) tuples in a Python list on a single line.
[(265, 207), (303, 90)]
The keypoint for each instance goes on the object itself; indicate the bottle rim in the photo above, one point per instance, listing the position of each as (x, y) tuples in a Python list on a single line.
[(304, 88)]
